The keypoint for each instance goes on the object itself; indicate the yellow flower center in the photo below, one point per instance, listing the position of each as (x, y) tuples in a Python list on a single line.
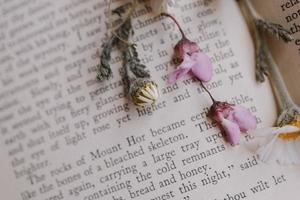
[(292, 135)]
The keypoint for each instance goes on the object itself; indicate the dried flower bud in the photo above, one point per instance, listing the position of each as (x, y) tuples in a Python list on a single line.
[(185, 46), (234, 120), (143, 92)]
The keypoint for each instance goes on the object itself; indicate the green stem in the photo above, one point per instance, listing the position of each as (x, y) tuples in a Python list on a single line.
[(284, 95), (289, 110), (252, 10), (256, 36)]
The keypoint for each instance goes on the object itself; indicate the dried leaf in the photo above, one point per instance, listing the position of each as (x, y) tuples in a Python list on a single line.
[(135, 65), (104, 69), (261, 65), (275, 30)]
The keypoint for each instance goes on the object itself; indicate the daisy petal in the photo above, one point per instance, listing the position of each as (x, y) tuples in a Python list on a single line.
[(262, 132), (265, 151), (287, 129)]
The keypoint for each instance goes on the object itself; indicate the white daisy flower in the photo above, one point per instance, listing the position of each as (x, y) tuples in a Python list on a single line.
[(160, 6), (279, 144)]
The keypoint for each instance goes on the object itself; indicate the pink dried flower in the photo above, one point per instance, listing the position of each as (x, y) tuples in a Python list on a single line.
[(183, 47), (192, 60), (234, 119)]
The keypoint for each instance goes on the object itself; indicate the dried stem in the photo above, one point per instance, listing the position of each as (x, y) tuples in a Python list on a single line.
[(277, 79), (283, 93), (208, 92), (289, 110), (260, 62), (252, 10), (176, 22)]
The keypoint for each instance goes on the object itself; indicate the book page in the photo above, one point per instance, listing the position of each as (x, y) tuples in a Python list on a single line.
[(66, 136), (287, 56)]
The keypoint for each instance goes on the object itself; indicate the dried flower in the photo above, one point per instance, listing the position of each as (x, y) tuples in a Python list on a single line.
[(143, 92), (198, 63), (134, 74), (183, 47), (234, 119), (120, 35), (191, 58), (136, 78), (279, 144)]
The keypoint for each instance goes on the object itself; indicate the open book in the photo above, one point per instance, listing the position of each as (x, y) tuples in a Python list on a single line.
[(66, 136)]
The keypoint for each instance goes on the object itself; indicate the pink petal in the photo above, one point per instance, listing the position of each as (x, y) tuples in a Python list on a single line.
[(232, 130), (185, 46), (244, 118), (190, 47), (187, 62), (177, 74), (181, 70), (203, 67)]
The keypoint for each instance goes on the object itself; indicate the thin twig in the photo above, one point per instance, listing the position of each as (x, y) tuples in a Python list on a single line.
[(284, 95), (208, 92), (252, 10), (176, 22)]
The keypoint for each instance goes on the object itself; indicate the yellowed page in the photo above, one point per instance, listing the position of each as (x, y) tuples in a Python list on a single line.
[(65, 136)]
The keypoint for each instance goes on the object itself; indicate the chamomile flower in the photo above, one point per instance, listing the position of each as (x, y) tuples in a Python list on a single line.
[(279, 144), (143, 92)]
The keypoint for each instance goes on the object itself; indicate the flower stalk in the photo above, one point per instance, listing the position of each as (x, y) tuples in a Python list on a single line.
[(208, 92), (265, 64), (176, 22), (279, 144), (190, 58), (289, 110), (134, 74), (233, 119), (260, 27)]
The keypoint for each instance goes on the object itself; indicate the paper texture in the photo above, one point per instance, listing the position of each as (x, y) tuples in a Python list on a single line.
[(66, 136)]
